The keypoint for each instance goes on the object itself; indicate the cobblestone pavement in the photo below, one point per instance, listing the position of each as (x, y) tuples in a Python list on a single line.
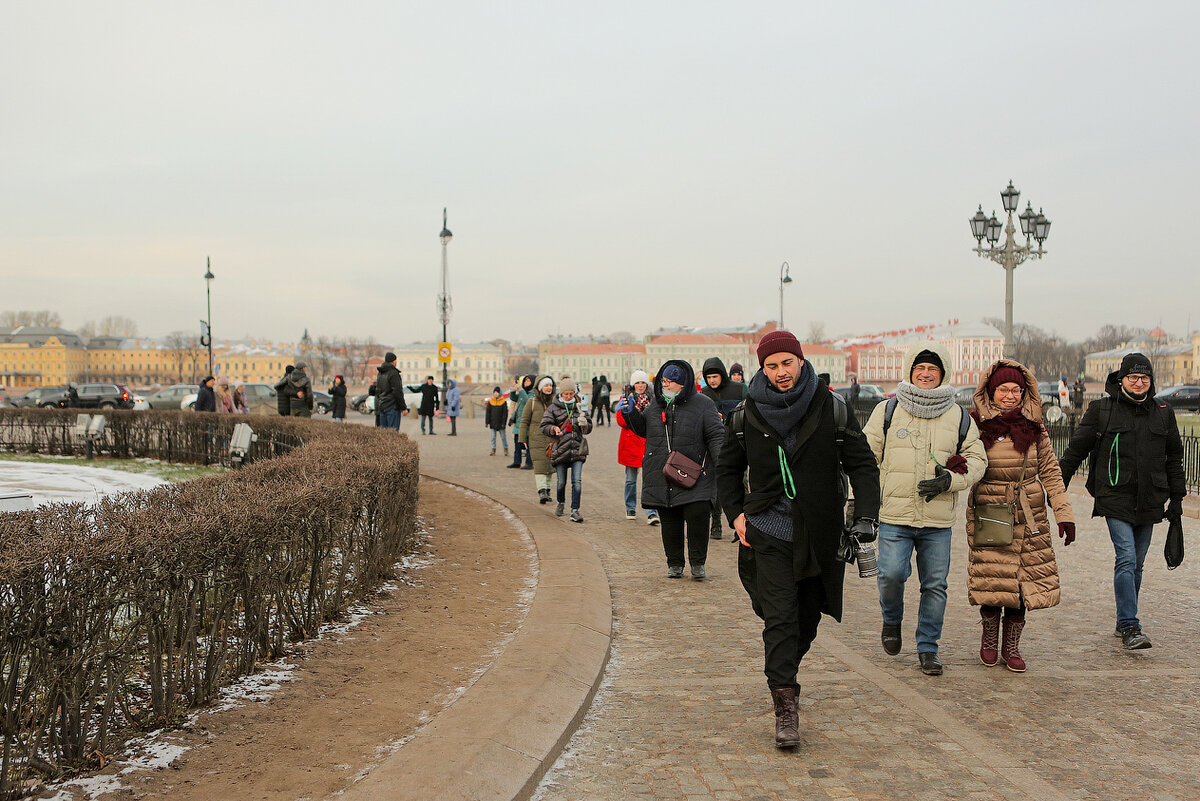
[(684, 712)]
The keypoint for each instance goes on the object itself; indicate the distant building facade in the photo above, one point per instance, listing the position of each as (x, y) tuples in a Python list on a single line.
[(582, 361), (973, 348)]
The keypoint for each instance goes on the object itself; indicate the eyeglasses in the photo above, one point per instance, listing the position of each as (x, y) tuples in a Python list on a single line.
[(1134, 378), (1003, 391)]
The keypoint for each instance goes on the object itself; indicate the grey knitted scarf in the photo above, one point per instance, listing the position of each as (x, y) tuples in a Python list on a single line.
[(925, 403)]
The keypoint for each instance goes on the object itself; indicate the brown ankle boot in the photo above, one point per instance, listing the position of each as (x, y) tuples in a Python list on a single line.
[(989, 644), (787, 720), (1010, 651)]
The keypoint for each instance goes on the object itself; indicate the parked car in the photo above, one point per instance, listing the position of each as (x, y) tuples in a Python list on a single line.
[(139, 402), (1051, 407), (169, 397), (866, 392), (359, 402), (1185, 398), (39, 396), (965, 397), (95, 396)]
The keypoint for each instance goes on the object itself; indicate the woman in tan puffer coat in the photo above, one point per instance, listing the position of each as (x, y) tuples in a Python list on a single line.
[(1023, 471)]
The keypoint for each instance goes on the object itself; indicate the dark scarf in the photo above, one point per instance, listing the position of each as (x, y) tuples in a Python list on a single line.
[(783, 411), (1023, 431)]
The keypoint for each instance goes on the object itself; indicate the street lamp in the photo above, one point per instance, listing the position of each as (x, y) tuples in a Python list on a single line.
[(206, 333), (1010, 254), (443, 303), (784, 278)]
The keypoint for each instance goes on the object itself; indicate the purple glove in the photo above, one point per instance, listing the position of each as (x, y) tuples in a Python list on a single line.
[(1067, 532)]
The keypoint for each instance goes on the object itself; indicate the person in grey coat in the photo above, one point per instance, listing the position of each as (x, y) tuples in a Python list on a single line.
[(565, 422), (678, 418)]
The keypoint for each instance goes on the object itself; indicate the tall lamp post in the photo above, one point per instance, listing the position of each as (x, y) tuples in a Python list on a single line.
[(784, 278), (206, 339), (1033, 226), (443, 303)]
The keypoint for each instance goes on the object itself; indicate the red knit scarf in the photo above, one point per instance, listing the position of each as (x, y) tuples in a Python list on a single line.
[(1023, 431)]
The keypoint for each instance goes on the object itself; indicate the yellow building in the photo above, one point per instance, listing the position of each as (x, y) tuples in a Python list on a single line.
[(34, 356), (133, 362), (253, 363)]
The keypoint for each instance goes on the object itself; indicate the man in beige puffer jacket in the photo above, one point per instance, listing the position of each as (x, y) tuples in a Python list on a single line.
[(921, 472)]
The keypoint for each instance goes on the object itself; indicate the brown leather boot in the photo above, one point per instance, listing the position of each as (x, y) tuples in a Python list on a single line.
[(989, 645), (1010, 651), (787, 720)]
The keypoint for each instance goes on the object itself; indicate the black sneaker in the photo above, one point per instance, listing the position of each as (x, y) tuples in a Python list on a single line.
[(698, 572), (674, 571), (1134, 640), (891, 639), (558, 510), (930, 664), (576, 517)]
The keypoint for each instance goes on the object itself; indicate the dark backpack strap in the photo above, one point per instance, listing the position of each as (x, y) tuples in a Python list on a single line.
[(889, 409), (964, 425), (737, 422)]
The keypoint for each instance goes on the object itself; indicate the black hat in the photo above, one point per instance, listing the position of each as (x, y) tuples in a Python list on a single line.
[(389, 357), (928, 357), (1135, 363)]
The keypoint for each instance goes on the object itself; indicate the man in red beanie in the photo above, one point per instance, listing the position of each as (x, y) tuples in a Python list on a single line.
[(786, 434)]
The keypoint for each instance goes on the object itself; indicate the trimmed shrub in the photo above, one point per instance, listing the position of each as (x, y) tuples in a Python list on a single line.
[(120, 616)]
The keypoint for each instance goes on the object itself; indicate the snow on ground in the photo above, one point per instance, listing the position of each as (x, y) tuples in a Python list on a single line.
[(53, 481)]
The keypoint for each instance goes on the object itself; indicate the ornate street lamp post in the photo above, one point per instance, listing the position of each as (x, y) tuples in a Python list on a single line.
[(206, 333), (1033, 226), (443, 303), (784, 278)]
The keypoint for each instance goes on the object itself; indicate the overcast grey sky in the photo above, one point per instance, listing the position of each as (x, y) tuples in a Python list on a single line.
[(616, 166)]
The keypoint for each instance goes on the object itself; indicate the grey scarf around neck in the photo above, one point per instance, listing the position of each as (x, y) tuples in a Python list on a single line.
[(783, 411), (925, 403)]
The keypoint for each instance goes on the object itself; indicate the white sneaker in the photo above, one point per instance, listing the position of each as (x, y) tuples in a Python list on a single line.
[(653, 521), (630, 515)]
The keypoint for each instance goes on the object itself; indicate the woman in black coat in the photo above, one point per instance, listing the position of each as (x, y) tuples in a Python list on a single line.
[(338, 393), (678, 418)]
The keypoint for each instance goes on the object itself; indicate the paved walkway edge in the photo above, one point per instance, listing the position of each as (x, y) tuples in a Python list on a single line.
[(498, 739)]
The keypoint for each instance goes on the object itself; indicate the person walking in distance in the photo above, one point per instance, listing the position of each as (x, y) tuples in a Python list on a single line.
[(495, 418), (928, 450), (390, 406), (337, 394), (1022, 473), (429, 403), (791, 442), (453, 405), (565, 422), (206, 399), (300, 391), (737, 374), (520, 397), (631, 448), (726, 395), (1135, 475), (537, 441), (283, 401), (601, 396)]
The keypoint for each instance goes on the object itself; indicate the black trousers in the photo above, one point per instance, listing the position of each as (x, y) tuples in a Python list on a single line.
[(600, 410), (790, 609), (673, 520)]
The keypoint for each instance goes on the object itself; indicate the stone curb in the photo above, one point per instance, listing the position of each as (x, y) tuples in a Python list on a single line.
[(498, 739)]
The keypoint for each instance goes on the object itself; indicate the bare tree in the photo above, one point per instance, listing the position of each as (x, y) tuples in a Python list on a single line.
[(118, 326), (1046, 354), (816, 331), (186, 356), (42, 318)]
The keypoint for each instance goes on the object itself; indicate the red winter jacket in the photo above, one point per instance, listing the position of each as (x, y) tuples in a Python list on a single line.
[(630, 448)]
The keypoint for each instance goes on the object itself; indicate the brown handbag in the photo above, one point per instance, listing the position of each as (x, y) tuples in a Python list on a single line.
[(680, 470)]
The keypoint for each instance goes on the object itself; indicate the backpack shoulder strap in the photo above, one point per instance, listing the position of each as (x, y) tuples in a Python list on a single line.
[(737, 422), (964, 425), (839, 420), (889, 409)]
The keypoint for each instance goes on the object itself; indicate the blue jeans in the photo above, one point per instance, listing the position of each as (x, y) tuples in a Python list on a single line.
[(896, 544), (631, 477), (428, 417), (503, 438), (1131, 544), (390, 419), (576, 469)]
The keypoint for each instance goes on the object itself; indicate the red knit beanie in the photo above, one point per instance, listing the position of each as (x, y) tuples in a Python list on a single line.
[(778, 342), (1005, 375)]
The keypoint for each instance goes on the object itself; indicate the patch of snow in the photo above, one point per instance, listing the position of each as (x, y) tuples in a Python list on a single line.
[(56, 481)]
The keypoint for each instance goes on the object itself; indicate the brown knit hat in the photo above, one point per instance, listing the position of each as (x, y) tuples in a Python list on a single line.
[(1005, 375), (778, 342)]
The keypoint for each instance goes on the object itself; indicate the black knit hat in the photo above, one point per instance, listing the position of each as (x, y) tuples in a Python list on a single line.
[(928, 357), (389, 357), (1135, 363)]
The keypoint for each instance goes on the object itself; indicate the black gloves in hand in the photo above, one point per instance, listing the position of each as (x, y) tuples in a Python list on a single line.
[(1175, 509), (930, 488), (864, 529)]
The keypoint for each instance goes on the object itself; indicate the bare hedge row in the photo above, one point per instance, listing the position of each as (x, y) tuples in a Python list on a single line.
[(120, 616)]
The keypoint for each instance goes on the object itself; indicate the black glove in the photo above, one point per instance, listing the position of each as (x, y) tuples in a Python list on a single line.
[(1175, 509), (864, 529), (930, 488)]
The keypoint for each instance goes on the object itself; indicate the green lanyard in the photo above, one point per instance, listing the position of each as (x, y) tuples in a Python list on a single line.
[(789, 486), (1114, 450)]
